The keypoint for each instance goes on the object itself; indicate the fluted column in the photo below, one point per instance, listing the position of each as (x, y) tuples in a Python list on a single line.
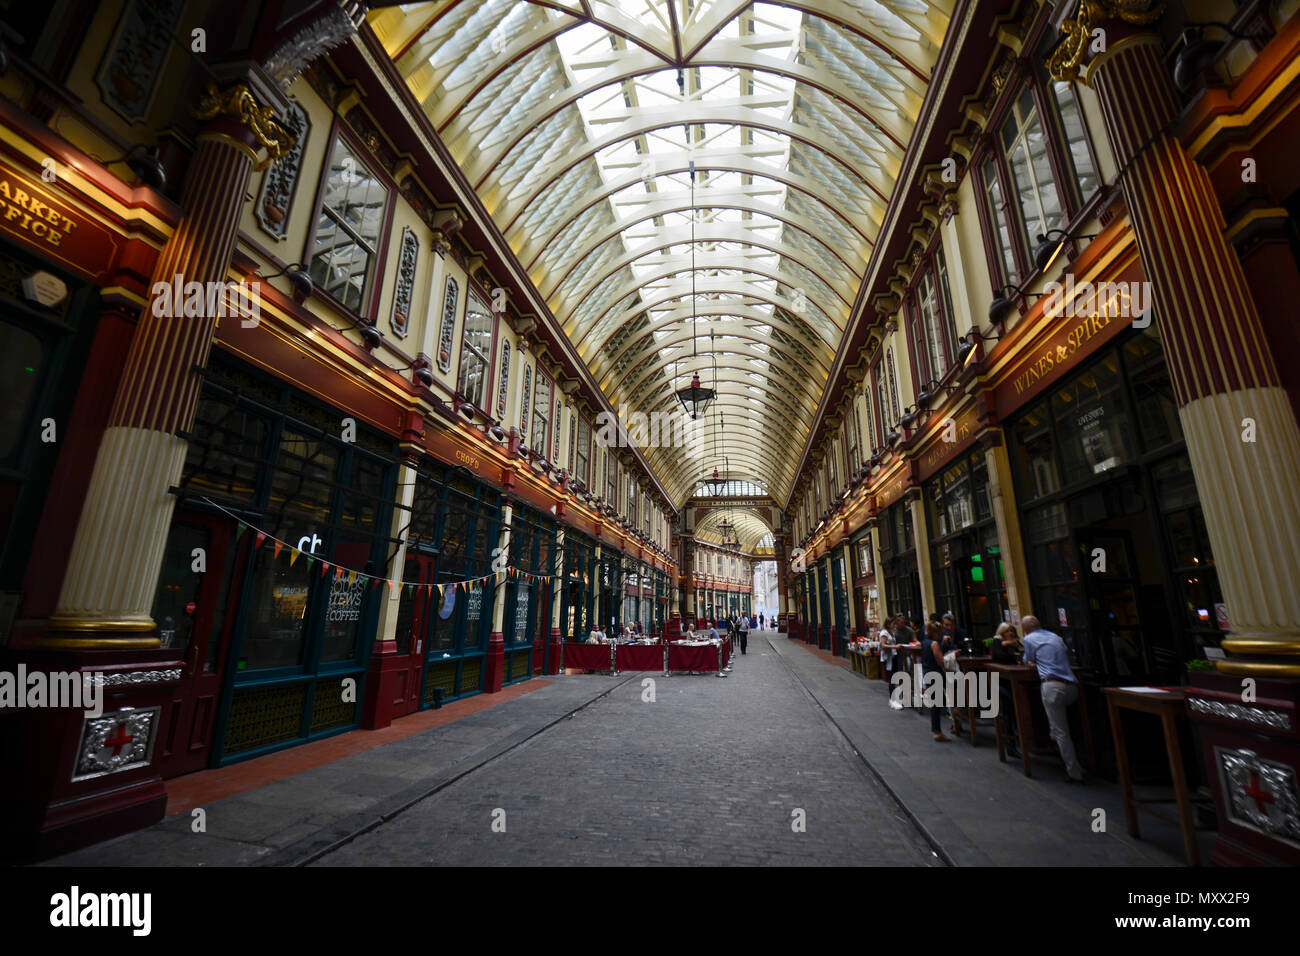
[(1242, 437), (117, 552)]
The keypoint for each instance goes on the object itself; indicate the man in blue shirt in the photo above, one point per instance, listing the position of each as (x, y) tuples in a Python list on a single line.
[(1048, 653)]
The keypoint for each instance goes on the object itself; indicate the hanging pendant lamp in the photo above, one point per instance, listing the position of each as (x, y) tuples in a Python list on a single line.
[(695, 398)]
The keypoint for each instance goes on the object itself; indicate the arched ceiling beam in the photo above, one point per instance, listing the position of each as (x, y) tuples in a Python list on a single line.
[(679, 292), (672, 266), (653, 120), (734, 232), (818, 191), (854, 260), (727, 54)]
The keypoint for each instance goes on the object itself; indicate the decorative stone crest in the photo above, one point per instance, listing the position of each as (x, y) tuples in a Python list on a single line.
[(504, 387), (1261, 794), (115, 742), (281, 180), (448, 326), (129, 73), (400, 320), (528, 400)]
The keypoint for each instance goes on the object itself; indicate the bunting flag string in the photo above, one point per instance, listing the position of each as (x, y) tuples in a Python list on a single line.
[(260, 538)]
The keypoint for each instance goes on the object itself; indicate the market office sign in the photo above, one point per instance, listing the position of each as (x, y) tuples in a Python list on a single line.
[(32, 214)]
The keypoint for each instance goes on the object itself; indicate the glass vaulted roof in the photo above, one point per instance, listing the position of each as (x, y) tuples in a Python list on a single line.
[(578, 123)]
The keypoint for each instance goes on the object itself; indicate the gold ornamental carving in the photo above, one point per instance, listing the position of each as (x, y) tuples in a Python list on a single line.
[(238, 103), (1066, 58)]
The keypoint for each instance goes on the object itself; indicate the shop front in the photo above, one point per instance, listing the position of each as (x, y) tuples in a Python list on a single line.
[(898, 562), (577, 597), (966, 559), (527, 620), (866, 595), (284, 517), (1119, 561)]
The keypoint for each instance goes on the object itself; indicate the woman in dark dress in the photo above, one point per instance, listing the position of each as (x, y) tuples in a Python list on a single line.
[(931, 663)]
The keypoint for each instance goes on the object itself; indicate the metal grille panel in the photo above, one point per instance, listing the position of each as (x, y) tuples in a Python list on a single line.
[(269, 715)]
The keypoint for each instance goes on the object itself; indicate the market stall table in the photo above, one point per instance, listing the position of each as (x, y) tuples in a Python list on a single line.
[(640, 657), (695, 656), (590, 657)]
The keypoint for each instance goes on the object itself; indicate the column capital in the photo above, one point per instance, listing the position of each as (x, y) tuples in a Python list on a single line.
[(236, 104), (1077, 32)]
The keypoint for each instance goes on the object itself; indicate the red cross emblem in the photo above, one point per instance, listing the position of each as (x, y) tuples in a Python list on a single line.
[(1260, 796), (119, 739)]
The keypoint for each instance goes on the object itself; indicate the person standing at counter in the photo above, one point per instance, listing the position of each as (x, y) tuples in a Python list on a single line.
[(1047, 651), (1006, 650)]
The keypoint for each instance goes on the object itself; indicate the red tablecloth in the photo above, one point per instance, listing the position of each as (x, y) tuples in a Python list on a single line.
[(587, 656), (682, 657), (640, 657)]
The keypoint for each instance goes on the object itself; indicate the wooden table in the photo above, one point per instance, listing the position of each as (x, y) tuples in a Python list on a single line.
[(1168, 704), (1023, 678)]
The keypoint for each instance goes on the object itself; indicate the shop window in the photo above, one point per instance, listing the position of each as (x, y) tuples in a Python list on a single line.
[(1072, 129), (1001, 225), (1093, 420), (1153, 391), (22, 366), (475, 351), (349, 228), (583, 457), (1025, 147)]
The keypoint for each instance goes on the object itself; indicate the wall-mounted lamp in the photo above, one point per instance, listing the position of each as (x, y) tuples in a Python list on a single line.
[(930, 388), (1047, 247), (299, 279), (145, 163), (968, 347), (1198, 53), (1001, 305), (422, 373)]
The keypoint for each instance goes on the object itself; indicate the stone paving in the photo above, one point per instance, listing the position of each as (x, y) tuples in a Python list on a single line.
[(744, 771), (791, 759)]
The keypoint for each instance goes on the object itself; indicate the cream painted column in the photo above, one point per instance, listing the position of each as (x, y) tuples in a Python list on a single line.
[(923, 556), (883, 610), (117, 552), (387, 626), (1006, 514), (848, 585), (1242, 436)]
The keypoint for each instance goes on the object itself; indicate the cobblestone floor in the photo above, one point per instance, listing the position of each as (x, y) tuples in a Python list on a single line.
[(745, 770)]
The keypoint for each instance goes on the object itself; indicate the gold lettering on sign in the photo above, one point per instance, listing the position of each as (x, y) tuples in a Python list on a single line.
[(465, 458), (29, 214), (1056, 356)]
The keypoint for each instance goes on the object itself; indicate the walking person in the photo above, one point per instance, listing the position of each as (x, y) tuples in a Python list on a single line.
[(760, 620), (932, 663), (744, 634), (1047, 651)]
